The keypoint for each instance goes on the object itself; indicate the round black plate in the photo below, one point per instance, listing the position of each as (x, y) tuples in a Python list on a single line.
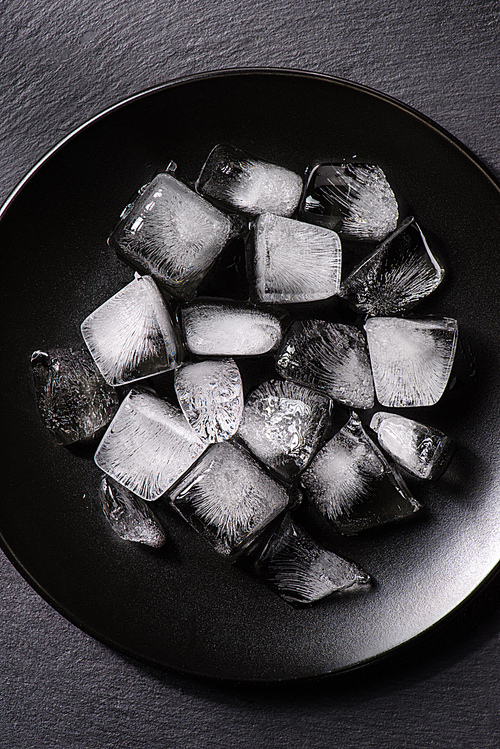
[(184, 607)]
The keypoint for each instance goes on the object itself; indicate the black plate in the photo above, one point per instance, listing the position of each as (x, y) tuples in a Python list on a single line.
[(184, 607)]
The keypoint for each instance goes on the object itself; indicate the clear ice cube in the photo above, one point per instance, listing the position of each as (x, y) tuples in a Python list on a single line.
[(354, 199), (128, 515), (411, 359), (131, 335), (294, 261), (228, 498), (210, 394), (400, 273), (351, 484), (74, 400), (423, 451), (239, 182), (331, 357), (172, 234), (148, 446), (282, 425)]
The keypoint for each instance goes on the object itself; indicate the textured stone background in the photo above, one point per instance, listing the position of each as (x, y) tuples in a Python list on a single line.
[(62, 62)]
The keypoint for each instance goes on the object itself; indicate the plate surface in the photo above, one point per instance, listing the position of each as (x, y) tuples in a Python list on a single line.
[(184, 607)]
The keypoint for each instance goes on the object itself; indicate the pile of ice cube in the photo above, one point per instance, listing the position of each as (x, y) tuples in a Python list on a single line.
[(248, 471)]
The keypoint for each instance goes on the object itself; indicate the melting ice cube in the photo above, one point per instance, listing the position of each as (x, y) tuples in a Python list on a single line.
[(228, 497), (148, 445), (211, 396), (128, 515), (131, 336), (350, 483), (240, 182), (422, 450), (74, 400), (282, 425), (172, 234), (294, 261), (400, 273), (411, 359), (331, 357)]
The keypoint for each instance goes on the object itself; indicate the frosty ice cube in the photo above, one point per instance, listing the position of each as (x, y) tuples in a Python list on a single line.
[(128, 515), (301, 571), (293, 261), (131, 336), (351, 484), (210, 394), (240, 182), (423, 451), (228, 328), (411, 359), (282, 425), (330, 357), (354, 199), (400, 273), (148, 446), (74, 401), (228, 498), (172, 234)]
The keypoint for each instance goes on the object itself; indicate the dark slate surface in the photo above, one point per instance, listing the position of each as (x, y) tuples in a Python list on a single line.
[(61, 63)]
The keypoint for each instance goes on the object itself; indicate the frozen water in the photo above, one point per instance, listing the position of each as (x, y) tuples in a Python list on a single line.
[(294, 261), (230, 329), (301, 570), (240, 182), (73, 399), (128, 515), (131, 336), (331, 357), (228, 498), (172, 234), (354, 199), (400, 273), (210, 394), (411, 359), (423, 451), (148, 446), (282, 425), (350, 483)]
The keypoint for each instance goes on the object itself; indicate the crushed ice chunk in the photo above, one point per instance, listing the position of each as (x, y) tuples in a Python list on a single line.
[(74, 401), (351, 484), (210, 394), (131, 335), (148, 446), (423, 451), (294, 261), (411, 359), (240, 182), (128, 515), (331, 357)]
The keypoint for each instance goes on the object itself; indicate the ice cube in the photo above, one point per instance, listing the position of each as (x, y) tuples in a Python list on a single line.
[(74, 401), (282, 425), (148, 446), (172, 234), (331, 357), (301, 571), (293, 261), (351, 484), (210, 394), (354, 199), (228, 328), (131, 336), (411, 359), (228, 497), (423, 451), (239, 182), (129, 516)]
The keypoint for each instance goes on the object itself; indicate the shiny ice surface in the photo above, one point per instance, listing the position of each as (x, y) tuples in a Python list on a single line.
[(128, 515)]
